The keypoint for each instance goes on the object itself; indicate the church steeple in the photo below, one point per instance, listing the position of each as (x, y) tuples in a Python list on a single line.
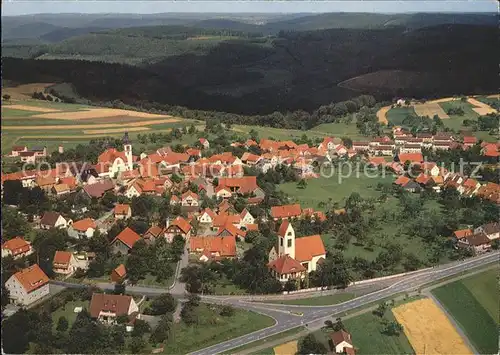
[(127, 147)]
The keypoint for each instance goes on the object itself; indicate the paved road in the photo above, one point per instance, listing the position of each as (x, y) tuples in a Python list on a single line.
[(320, 313), (305, 315)]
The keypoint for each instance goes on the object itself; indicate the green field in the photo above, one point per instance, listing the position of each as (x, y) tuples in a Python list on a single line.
[(474, 304), (213, 328), (397, 115), (338, 130), (337, 187), (318, 301), (456, 121)]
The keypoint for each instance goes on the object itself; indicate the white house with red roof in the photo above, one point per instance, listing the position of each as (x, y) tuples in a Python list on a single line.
[(28, 285), (189, 198), (295, 257), (204, 143), (246, 218), (207, 216), (83, 228), (64, 263), (124, 241), (17, 248)]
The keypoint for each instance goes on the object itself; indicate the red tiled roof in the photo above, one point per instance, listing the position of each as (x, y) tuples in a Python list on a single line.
[(308, 247), (62, 257), (127, 237), (402, 180), (118, 304), (17, 246), (31, 278), (223, 219), (245, 184), (84, 224), (120, 270), (411, 157), (470, 140), (183, 225), (286, 265), (209, 212), (340, 336), (462, 233), (232, 229), (286, 211), (225, 246), (190, 193), (122, 209)]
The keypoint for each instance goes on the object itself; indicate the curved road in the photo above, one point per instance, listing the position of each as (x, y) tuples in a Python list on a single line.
[(291, 316)]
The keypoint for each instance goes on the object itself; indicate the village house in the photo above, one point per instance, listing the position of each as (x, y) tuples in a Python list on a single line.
[(250, 159), (478, 242), (179, 226), (54, 220), (361, 146), (204, 143), (122, 211), (189, 199), (412, 158), (124, 241), (106, 308), (60, 189), (469, 141), (84, 228), (16, 247), (246, 218), (407, 184), (28, 285), (207, 216), (286, 212), (64, 263), (98, 189), (28, 157), (383, 150), (119, 273), (175, 200), (18, 149), (26, 177), (410, 148), (230, 229), (491, 230), (294, 257), (152, 234), (246, 185), (45, 183), (342, 343), (213, 248)]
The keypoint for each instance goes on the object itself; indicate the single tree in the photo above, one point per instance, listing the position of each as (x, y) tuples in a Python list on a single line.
[(62, 324)]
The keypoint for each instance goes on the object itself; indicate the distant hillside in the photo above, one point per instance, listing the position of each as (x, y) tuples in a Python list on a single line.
[(63, 33)]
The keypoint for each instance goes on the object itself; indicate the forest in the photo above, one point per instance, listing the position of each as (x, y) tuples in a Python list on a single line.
[(291, 71)]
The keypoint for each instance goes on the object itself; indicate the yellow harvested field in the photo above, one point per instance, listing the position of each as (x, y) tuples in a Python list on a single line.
[(90, 126), (495, 96), (444, 99), (31, 108), (382, 114), (480, 107), (98, 113), (116, 130), (428, 329), (286, 349), (430, 109)]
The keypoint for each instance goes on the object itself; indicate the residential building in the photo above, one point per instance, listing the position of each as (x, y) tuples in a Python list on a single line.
[(83, 228), (213, 248), (54, 220), (341, 342), (286, 212), (179, 226), (152, 234), (119, 273), (124, 241), (122, 211), (491, 230), (246, 218), (107, 307), (98, 189), (16, 247), (479, 242), (64, 263), (207, 216), (28, 285), (189, 199), (204, 143)]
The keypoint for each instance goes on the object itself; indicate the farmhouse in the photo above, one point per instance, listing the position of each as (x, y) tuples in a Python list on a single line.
[(479, 242), (98, 189), (189, 199), (342, 343), (28, 285), (491, 230), (152, 234), (17, 248), (207, 216), (107, 307)]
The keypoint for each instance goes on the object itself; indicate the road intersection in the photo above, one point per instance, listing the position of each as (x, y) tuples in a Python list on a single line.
[(290, 316)]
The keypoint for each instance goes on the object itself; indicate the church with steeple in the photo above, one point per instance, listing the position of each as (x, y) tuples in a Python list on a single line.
[(111, 161), (293, 258)]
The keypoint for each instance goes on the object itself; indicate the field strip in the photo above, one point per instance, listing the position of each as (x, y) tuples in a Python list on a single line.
[(428, 329), (430, 109), (98, 113), (32, 108), (480, 107), (116, 130), (494, 96), (444, 99), (382, 114), (90, 126)]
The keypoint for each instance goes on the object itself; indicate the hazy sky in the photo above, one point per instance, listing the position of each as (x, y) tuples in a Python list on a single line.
[(20, 7)]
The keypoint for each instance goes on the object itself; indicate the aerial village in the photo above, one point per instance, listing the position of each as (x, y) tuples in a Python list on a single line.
[(214, 233)]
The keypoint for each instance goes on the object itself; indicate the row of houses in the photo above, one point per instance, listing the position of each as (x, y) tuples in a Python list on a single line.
[(479, 239)]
